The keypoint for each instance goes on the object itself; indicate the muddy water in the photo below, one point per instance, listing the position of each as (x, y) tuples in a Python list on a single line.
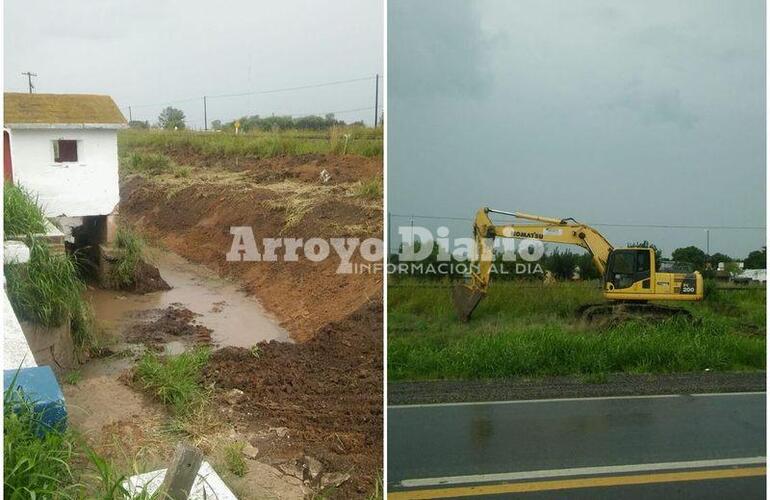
[(235, 318)]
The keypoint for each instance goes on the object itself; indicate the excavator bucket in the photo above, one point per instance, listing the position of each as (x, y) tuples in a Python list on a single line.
[(465, 301)]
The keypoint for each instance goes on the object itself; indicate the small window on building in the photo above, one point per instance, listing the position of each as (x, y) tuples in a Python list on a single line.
[(65, 150)]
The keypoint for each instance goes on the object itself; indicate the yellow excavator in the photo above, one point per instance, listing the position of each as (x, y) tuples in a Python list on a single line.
[(630, 279)]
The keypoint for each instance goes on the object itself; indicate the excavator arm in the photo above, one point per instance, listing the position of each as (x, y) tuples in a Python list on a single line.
[(546, 229)]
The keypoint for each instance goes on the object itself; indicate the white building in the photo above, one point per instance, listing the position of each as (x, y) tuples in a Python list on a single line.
[(64, 148)]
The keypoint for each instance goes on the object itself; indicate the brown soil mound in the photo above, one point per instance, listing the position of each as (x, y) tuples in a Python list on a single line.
[(147, 279), (327, 392), (173, 322)]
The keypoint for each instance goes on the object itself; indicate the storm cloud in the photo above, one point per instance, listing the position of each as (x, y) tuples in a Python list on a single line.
[(635, 113)]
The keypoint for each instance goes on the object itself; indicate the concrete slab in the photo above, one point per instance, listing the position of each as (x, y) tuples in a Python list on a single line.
[(208, 485)]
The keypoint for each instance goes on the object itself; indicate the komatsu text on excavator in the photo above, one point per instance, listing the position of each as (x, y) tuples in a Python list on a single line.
[(629, 275)]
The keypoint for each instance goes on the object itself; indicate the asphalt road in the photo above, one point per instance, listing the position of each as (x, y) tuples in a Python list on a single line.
[(677, 446)]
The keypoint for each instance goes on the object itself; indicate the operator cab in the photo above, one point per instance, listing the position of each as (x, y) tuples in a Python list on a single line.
[(627, 266)]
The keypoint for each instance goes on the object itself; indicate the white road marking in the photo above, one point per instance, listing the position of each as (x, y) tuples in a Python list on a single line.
[(580, 471), (558, 400)]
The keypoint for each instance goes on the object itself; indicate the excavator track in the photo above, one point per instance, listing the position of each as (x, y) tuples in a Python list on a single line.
[(612, 313)]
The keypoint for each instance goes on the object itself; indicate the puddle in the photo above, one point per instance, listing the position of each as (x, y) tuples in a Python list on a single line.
[(235, 318)]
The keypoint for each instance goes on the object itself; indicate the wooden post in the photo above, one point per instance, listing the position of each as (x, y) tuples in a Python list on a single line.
[(182, 472)]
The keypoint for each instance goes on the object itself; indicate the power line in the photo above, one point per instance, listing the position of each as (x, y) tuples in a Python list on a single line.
[(258, 92), (658, 226), (289, 89)]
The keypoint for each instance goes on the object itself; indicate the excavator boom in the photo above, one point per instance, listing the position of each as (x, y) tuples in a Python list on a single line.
[(630, 278), (546, 229)]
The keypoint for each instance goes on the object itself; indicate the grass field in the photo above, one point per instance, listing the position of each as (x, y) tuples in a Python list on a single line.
[(349, 140), (529, 329)]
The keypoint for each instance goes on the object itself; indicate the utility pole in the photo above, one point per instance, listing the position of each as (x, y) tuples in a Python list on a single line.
[(205, 117), (376, 96), (29, 79), (708, 252), (130, 118)]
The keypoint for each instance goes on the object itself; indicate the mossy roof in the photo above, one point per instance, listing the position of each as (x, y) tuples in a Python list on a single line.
[(61, 109)]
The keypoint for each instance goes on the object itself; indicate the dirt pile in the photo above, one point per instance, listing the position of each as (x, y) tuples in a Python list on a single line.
[(174, 322), (147, 279), (327, 392)]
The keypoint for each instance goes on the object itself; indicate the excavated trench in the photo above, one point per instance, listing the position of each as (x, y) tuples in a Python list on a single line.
[(234, 318), (315, 387)]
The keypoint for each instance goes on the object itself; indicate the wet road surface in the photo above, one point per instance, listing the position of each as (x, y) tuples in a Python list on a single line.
[(675, 446)]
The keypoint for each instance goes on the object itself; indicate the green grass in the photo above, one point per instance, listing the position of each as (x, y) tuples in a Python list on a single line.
[(131, 246), (233, 457), (175, 380), (258, 144), (22, 215), (370, 189), (73, 378), (48, 291), (34, 466), (529, 329), (57, 464), (147, 163)]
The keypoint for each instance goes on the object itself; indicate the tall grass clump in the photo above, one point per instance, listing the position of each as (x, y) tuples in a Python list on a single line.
[(48, 291), (22, 215), (150, 163), (131, 250), (370, 189), (233, 458), (175, 380), (36, 460), (41, 462)]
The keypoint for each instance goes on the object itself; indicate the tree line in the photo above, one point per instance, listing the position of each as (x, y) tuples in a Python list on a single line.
[(174, 119), (566, 264)]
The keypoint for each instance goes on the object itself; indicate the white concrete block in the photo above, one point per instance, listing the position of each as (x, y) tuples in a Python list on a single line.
[(208, 484), (16, 351), (15, 252)]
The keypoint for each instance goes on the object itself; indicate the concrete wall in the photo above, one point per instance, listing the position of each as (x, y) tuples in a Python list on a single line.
[(86, 187), (16, 351)]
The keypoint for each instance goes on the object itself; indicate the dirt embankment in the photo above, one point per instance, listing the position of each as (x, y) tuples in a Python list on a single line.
[(192, 217), (325, 390)]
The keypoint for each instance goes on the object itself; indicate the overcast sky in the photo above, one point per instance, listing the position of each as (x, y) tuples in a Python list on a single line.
[(150, 52), (621, 112)]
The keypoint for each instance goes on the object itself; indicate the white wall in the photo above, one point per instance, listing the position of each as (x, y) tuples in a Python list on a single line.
[(86, 187)]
